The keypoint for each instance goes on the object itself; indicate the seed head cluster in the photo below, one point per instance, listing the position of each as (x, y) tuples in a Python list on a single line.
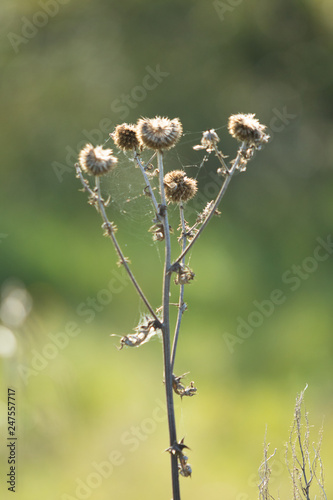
[(96, 160), (159, 133), (125, 137), (246, 128), (179, 187)]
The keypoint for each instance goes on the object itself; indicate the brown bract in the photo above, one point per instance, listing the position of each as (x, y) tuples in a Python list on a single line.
[(179, 187), (159, 133), (96, 160), (209, 141)]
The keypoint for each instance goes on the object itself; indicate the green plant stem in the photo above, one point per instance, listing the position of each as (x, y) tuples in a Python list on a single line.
[(166, 332), (218, 199), (181, 304)]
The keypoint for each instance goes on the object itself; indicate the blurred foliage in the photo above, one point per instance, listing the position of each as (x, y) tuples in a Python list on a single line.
[(65, 83)]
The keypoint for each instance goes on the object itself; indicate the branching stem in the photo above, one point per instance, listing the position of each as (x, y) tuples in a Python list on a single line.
[(229, 174)]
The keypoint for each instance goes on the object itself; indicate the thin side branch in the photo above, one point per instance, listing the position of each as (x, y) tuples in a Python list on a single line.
[(264, 474), (147, 181), (181, 304), (229, 173)]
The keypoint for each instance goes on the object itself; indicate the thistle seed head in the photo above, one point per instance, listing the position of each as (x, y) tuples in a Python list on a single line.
[(96, 160), (125, 137), (179, 187), (246, 128), (159, 133)]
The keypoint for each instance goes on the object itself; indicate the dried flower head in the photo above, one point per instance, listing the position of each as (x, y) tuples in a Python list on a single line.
[(180, 389), (184, 275), (125, 137), (159, 133), (144, 332), (96, 160), (246, 128), (244, 159), (158, 231), (209, 141), (179, 187)]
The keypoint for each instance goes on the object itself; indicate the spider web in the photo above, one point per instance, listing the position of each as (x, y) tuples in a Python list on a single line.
[(129, 206), (132, 210)]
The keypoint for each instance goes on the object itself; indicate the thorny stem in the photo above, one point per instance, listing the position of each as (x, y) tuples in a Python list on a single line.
[(111, 233), (181, 304), (229, 174), (166, 332), (147, 181)]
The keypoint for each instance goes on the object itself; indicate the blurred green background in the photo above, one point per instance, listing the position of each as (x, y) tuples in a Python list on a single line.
[(90, 419)]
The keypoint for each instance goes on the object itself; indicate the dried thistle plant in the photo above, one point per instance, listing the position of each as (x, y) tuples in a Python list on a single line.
[(264, 474), (174, 187), (303, 463)]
